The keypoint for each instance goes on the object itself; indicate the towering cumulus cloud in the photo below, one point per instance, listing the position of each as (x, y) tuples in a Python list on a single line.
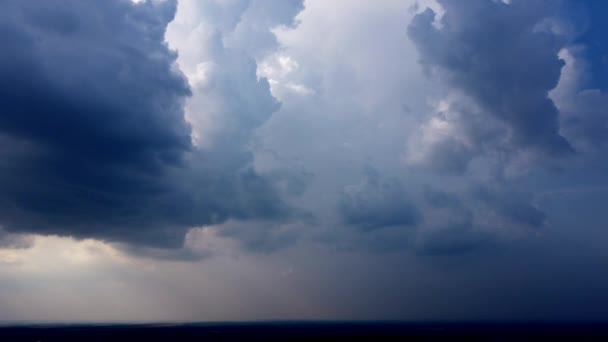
[(504, 56), (219, 43), (328, 159), (136, 121), (95, 142)]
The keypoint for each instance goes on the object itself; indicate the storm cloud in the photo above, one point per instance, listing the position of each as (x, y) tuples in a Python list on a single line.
[(93, 111), (503, 56), (303, 159), (136, 122)]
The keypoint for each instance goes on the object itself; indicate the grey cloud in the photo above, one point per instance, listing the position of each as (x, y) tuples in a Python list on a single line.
[(450, 156), (451, 228), (228, 104), (455, 136), (455, 239), (244, 101), (446, 251), (376, 203), (440, 199), (253, 34), (588, 120), (466, 221), (511, 204), (93, 83), (94, 134), (262, 236), (484, 216), (499, 55)]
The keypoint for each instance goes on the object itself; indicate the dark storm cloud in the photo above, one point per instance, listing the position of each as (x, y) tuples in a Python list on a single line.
[(92, 80), (503, 56), (94, 140), (376, 203)]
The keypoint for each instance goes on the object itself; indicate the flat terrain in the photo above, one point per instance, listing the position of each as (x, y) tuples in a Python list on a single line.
[(304, 331)]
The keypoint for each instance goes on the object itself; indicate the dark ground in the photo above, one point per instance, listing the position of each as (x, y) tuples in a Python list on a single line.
[(305, 331)]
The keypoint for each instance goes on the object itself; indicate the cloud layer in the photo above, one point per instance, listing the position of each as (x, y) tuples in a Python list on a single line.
[(137, 122)]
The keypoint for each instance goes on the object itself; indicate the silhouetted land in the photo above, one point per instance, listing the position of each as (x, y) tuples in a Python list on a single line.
[(306, 331)]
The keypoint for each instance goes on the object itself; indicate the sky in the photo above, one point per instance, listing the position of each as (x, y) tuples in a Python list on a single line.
[(237, 160)]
